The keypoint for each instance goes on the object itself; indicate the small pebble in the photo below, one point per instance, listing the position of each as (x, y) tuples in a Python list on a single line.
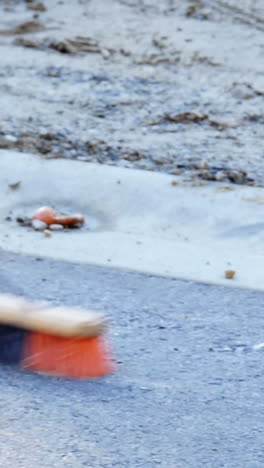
[(203, 164), (176, 172), (36, 6), (229, 274), (47, 233), (14, 185), (24, 220), (38, 225), (258, 346), (11, 138), (105, 53), (56, 227), (220, 175)]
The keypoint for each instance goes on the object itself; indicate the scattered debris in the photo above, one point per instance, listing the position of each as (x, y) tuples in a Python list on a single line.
[(160, 42), (245, 90), (78, 45), (199, 183), (28, 43), (225, 188), (61, 145), (257, 199), (230, 274), (56, 227), (197, 57), (220, 174), (25, 28), (184, 117), (47, 233), (196, 10), (258, 346), (147, 90), (38, 225), (176, 172), (24, 220), (254, 117), (203, 164), (6, 142), (45, 217), (31, 5), (133, 156), (52, 217), (189, 118), (15, 185), (159, 58)]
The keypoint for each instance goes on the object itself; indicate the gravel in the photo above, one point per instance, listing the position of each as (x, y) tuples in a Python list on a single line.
[(98, 99)]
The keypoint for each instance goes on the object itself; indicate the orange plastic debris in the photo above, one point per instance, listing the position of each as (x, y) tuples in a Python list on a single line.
[(50, 216)]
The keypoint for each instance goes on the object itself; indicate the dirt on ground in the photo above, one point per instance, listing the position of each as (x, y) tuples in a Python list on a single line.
[(167, 85)]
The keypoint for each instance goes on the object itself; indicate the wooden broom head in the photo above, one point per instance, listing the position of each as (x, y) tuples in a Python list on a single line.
[(60, 321)]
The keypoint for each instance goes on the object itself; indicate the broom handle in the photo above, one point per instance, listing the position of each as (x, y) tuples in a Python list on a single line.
[(60, 321)]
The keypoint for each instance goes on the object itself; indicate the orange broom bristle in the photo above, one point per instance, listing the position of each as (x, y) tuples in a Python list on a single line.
[(67, 357)]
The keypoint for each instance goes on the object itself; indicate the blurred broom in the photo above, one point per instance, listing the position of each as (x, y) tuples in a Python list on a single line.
[(58, 341)]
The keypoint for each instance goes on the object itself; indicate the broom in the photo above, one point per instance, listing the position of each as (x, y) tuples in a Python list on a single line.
[(56, 341)]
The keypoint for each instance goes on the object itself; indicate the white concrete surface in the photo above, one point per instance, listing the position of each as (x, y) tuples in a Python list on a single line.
[(136, 220)]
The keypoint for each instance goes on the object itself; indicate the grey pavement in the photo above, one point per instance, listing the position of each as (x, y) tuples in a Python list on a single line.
[(188, 392)]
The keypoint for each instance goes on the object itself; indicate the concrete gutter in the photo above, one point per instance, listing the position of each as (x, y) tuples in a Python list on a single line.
[(136, 220)]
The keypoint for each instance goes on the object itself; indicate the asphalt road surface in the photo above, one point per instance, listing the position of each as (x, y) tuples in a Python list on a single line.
[(188, 392)]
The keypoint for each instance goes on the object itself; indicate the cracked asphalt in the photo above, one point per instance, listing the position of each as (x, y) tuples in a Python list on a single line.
[(189, 388)]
